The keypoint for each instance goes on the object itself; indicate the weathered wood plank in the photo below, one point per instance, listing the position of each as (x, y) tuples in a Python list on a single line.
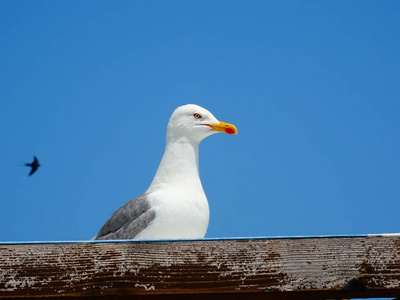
[(303, 268)]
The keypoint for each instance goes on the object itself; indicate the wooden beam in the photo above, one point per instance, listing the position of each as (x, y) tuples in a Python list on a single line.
[(277, 268)]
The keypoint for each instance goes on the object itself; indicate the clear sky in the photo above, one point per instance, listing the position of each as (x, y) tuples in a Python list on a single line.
[(312, 86)]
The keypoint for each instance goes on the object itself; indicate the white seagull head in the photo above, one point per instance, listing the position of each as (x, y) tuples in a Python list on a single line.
[(195, 123)]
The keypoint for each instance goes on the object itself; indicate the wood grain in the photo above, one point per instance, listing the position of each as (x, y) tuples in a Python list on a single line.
[(296, 268)]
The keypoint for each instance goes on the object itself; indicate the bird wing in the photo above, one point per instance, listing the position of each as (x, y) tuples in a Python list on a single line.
[(35, 160), (34, 168), (128, 220)]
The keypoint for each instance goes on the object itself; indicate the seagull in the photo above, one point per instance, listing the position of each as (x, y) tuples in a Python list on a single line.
[(175, 205), (34, 165)]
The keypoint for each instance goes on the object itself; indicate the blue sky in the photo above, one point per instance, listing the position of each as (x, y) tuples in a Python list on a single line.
[(312, 86)]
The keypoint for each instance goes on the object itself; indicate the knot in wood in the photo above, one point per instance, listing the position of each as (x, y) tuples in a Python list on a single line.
[(356, 284)]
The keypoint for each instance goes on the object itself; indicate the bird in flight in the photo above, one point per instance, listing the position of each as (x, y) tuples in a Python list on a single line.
[(34, 165)]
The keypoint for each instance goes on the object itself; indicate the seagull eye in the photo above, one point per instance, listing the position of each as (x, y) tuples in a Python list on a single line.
[(197, 116)]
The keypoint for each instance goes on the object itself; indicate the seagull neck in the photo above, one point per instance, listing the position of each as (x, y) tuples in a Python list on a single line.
[(179, 165)]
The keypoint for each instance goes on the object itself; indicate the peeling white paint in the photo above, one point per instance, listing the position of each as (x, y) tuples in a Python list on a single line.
[(146, 286)]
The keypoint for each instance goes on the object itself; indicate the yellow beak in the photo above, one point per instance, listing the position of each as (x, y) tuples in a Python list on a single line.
[(224, 127)]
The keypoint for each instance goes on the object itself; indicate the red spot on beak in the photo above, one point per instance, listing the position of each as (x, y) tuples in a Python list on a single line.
[(229, 131)]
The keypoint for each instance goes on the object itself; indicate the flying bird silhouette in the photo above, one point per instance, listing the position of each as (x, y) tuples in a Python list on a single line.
[(34, 165)]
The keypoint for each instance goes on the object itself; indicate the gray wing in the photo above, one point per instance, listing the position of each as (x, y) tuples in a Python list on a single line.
[(128, 220)]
